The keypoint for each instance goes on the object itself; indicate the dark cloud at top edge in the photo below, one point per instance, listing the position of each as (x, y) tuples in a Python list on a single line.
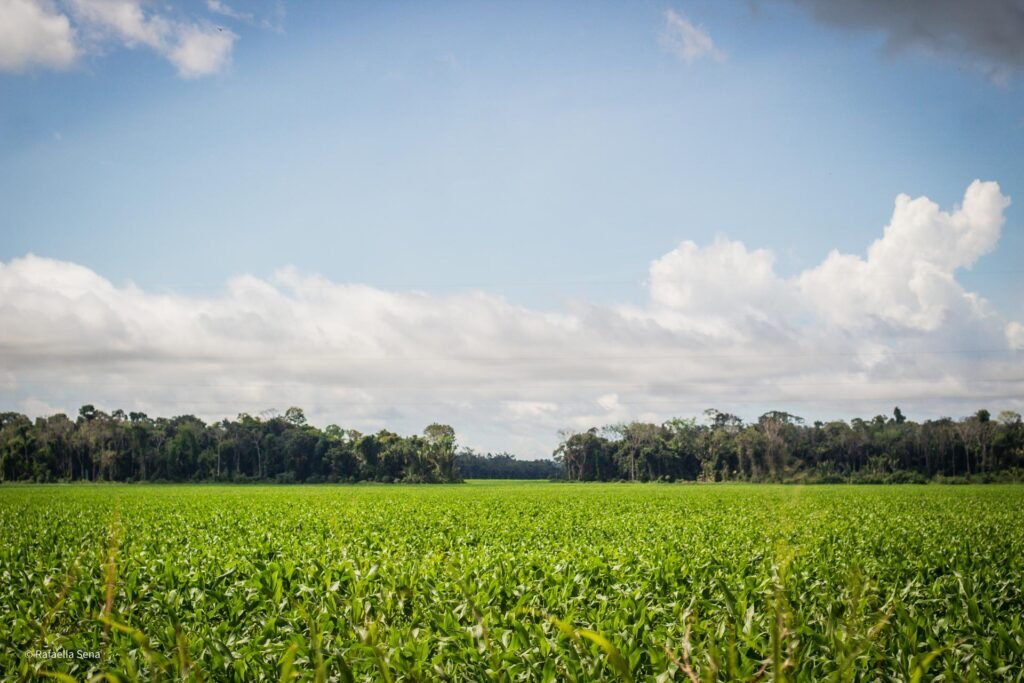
[(986, 34)]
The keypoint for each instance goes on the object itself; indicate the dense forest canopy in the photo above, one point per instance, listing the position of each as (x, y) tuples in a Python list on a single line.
[(782, 447), (134, 447), (119, 446)]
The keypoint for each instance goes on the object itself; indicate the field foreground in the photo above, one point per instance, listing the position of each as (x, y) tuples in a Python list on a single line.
[(513, 581)]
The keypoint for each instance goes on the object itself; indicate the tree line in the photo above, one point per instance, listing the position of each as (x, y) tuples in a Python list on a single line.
[(119, 446), (472, 465), (781, 447), (777, 447)]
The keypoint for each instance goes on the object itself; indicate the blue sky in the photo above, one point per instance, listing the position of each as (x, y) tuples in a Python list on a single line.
[(543, 154)]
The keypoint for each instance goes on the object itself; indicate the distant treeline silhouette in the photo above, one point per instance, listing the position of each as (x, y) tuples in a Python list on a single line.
[(780, 447), (471, 465)]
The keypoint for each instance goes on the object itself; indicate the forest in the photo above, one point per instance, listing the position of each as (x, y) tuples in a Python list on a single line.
[(781, 447), (777, 447), (120, 446)]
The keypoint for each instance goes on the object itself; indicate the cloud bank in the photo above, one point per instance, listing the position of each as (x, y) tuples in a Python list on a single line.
[(853, 335), (45, 34)]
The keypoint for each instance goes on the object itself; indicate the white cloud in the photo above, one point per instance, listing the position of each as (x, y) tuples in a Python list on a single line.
[(686, 40), (124, 20), (201, 51), (34, 34), (38, 34), (1015, 336), (907, 279), (854, 335), (195, 49), (706, 287)]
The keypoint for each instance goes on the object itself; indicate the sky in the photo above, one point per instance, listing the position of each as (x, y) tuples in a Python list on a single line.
[(519, 219)]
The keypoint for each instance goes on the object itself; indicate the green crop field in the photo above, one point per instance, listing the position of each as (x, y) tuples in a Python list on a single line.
[(512, 581)]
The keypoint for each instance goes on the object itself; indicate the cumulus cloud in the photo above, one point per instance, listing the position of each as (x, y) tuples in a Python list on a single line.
[(194, 48), (986, 34), (201, 51), (1015, 336), (34, 34), (707, 288), (908, 278), (686, 40), (48, 35), (854, 335)]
